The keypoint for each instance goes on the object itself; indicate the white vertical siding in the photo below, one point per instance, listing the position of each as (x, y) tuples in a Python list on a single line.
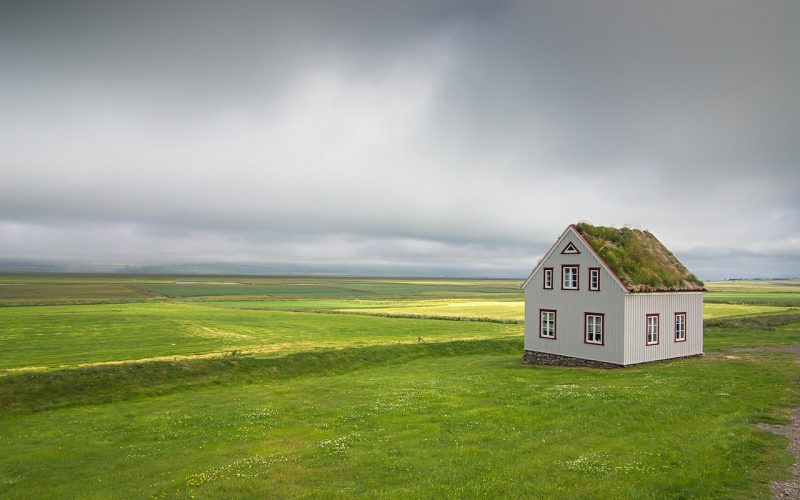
[(571, 306), (639, 305)]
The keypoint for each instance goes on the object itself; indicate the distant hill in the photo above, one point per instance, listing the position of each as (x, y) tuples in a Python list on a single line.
[(223, 268)]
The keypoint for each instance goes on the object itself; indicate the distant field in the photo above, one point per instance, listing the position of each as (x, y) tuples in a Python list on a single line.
[(780, 293), (296, 304), (24, 293), (503, 310), (714, 311), (135, 386), (742, 286), (343, 288), (453, 308), (54, 336), (777, 298)]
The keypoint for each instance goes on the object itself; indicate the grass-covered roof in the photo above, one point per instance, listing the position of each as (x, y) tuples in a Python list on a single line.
[(640, 261)]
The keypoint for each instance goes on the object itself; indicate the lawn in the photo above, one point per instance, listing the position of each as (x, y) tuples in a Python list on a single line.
[(428, 424), (286, 396)]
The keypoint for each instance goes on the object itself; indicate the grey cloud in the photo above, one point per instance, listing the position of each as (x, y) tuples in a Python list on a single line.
[(396, 132)]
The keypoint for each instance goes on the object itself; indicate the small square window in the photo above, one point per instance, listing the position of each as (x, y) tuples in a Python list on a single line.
[(569, 277)]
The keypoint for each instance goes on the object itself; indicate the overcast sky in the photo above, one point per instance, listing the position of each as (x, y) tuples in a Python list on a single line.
[(442, 134)]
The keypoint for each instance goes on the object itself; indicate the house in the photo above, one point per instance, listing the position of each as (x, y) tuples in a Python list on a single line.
[(603, 296)]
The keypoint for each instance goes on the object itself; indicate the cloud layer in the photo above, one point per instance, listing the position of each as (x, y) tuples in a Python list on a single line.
[(444, 134)]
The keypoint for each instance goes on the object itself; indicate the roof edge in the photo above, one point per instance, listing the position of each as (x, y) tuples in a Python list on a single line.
[(545, 257)]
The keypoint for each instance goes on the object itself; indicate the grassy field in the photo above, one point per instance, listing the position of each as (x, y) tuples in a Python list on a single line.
[(281, 395), (778, 293), (64, 336)]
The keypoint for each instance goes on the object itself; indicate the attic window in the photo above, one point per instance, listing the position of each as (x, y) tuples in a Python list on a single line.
[(570, 249), (594, 279), (547, 278), (569, 277)]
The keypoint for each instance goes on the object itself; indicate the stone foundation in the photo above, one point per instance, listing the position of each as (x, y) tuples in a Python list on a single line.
[(544, 358)]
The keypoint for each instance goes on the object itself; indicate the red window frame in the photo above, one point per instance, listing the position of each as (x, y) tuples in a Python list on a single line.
[(577, 276), (680, 313), (658, 329), (586, 328), (555, 323), (593, 270), (544, 278)]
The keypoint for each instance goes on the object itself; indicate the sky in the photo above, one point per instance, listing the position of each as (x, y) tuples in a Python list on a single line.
[(438, 137)]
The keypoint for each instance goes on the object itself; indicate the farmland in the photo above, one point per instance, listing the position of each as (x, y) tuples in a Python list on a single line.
[(169, 386)]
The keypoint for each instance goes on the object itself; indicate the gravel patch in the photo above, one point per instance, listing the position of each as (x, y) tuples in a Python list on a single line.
[(790, 488)]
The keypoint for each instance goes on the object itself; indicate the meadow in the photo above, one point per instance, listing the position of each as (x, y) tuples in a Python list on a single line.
[(316, 387)]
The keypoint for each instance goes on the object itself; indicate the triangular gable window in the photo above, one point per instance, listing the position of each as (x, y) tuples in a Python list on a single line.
[(570, 249)]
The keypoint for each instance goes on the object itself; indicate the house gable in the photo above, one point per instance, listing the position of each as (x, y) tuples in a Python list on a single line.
[(571, 243)]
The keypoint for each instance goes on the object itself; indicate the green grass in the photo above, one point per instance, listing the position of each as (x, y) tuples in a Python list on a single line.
[(320, 403), (47, 293), (424, 425), (63, 336), (720, 310), (768, 298), (752, 332), (772, 286), (776, 293)]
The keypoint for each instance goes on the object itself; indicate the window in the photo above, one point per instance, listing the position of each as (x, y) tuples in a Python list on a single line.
[(652, 329), (547, 323), (569, 277), (594, 279), (593, 328), (548, 278), (680, 327)]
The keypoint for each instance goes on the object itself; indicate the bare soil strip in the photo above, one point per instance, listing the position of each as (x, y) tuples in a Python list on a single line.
[(790, 488)]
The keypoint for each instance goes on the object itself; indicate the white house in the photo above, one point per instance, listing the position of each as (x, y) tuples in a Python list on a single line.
[(604, 296)]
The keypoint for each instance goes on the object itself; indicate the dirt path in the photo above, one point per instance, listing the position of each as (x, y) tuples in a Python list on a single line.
[(790, 488)]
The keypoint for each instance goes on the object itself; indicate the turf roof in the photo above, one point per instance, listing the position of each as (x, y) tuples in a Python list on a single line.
[(639, 260)]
